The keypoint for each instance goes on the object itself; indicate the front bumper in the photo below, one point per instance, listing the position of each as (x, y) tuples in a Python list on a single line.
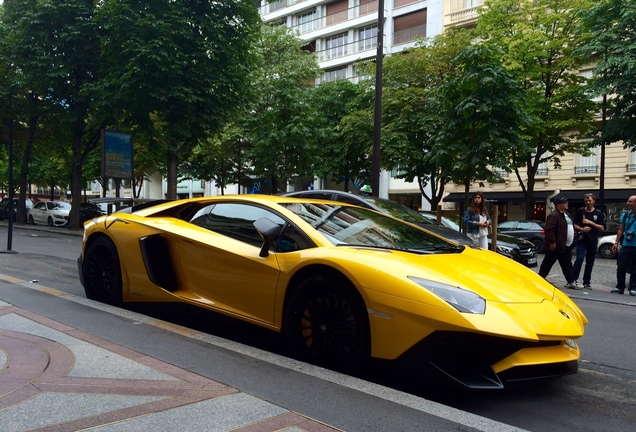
[(480, 361)]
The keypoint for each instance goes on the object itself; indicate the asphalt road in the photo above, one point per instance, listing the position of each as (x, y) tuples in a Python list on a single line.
[(601, 397)]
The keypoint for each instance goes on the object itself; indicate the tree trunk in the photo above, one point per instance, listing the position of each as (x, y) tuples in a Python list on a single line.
[(172, 176)]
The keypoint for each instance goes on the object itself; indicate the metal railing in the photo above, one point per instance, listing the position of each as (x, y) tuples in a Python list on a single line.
[(590, 169), (347, 49), (330, 20)]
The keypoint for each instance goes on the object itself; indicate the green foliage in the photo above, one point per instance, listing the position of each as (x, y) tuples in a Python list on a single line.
[(540, 41), (175, 70), (341, 131), (411, 109), (279, 124), (612, 40), (483, 111)]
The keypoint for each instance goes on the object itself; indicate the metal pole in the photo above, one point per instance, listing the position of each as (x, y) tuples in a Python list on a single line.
[(11, 194), (377, 120)]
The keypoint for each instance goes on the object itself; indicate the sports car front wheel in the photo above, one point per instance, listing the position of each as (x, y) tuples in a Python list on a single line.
[(326, 324), (102, 273)]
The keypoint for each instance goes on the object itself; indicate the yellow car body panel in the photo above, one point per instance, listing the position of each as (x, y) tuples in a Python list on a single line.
[(230, 276)]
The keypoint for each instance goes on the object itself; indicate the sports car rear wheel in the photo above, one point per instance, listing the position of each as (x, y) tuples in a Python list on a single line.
[(102, 273), (326, 323)]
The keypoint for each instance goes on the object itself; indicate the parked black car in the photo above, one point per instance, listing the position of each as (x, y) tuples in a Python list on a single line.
[(4, 204), (519, 250), (89, 210), (531, 230)]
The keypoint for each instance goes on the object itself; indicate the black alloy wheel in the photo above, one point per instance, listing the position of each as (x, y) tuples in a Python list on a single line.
[(102, 273), (31, 221), (326, 323), (538, 245), (51, 221)]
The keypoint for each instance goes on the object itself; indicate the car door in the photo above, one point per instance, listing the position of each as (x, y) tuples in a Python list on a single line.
[(39, 213), (224, 269)]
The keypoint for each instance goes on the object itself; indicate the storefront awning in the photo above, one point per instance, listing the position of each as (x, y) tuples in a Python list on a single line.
[(615, 195), (500, 196)]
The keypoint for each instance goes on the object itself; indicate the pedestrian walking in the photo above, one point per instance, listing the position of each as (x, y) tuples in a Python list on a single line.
[(626, 237), (478, 220), (588, 223), (559, 236)]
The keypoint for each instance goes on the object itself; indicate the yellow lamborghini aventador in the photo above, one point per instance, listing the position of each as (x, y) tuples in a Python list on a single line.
[(341, 283)]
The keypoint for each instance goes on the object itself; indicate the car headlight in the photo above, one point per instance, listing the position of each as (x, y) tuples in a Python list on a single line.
[(505, 250), (460, 299), (58, 216)]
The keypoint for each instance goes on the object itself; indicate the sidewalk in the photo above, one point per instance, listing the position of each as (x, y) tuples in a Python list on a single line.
[(54, 377)]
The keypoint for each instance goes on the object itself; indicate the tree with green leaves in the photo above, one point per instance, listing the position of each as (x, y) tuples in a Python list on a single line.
[(175, 70), (411, 110), (612, 42), (279, 124), (483, 108), (222, 158), (541, 47), (340, 154)]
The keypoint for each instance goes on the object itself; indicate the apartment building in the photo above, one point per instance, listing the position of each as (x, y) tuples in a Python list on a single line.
[(343, 35)]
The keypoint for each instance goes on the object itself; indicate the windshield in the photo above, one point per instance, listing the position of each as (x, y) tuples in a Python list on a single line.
[(362, 227), (398, 210)]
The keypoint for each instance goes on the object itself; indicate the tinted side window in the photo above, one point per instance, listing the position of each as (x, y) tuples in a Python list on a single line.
[(317, 195), (507, 225), (350, 200), (526, 225), (236, 220)]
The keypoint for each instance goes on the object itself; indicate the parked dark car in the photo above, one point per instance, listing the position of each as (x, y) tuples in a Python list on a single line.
[(4, 211), (89, 210), (520, 250), (531, 230)]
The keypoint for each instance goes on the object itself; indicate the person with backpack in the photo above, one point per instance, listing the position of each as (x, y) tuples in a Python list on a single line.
[(626, 237), (589, 222)]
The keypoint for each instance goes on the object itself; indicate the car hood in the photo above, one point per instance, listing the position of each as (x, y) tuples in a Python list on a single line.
[(519, 303), (510, 241)]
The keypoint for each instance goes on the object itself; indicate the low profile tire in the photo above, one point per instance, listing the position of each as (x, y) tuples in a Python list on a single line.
[(326, 323), (538, 245), (102, 273), (605, 251), (31, 221), (50, 221)]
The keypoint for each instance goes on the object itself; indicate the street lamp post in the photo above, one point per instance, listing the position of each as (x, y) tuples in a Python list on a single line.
[(377, 119)]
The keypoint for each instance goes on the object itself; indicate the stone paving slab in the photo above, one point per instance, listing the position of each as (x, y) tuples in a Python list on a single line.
[(56, 378)]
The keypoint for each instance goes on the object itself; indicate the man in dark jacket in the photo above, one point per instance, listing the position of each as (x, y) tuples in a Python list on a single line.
[(559, 235)]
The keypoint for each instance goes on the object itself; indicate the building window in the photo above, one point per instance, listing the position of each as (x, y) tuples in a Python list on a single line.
[(337, 12), (335, 74), (542, 169), (337, 45), (409, 26), (276, 5), (631, 166), (501, 173), (368, 38), (587, 164), (308, 21), (368, 6)]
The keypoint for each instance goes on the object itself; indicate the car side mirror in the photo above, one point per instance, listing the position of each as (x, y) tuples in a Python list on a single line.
[(269, 232)]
